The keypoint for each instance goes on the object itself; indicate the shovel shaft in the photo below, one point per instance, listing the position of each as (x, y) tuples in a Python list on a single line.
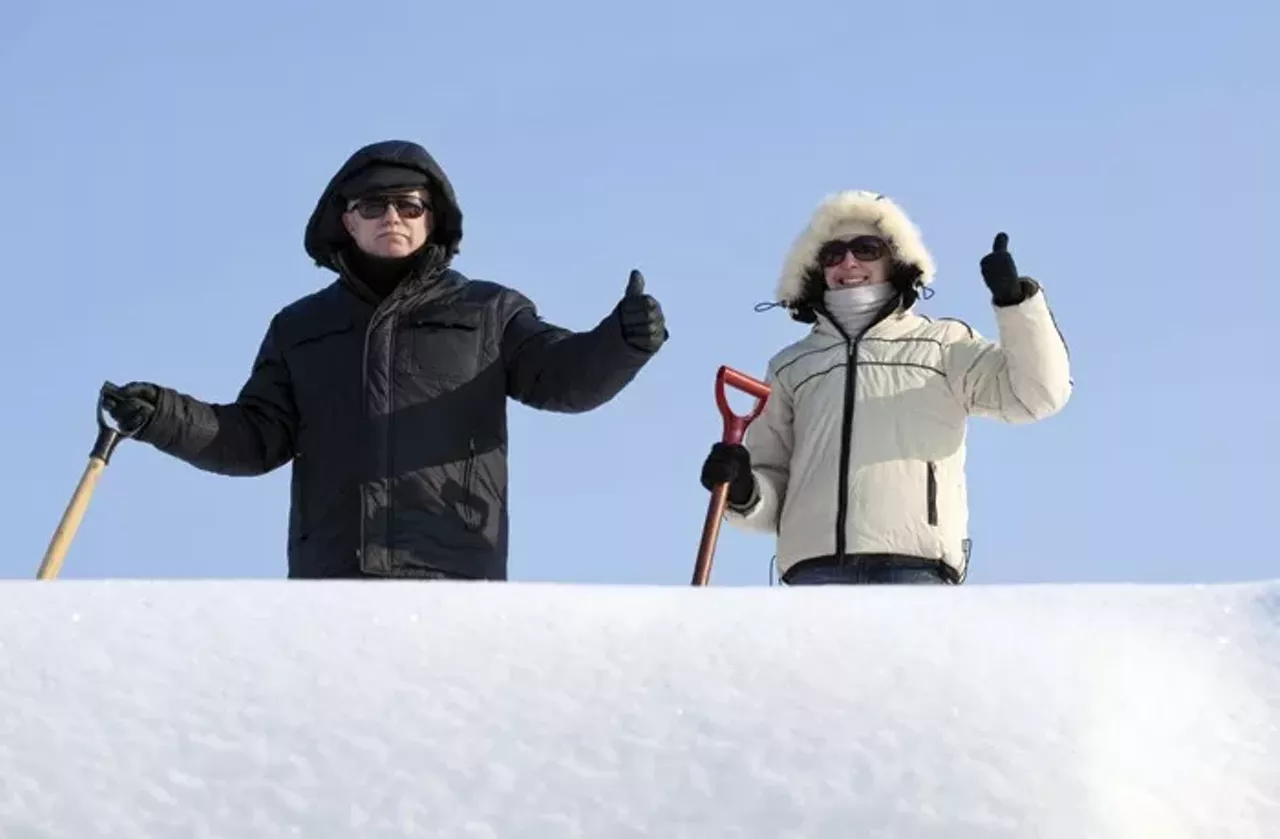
[(735, 429), (710, 533), (99, 456), (71, 518)]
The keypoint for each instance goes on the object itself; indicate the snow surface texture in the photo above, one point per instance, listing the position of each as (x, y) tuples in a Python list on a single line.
[(277, 709)]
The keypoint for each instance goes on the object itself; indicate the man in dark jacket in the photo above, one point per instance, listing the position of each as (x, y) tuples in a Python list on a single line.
[(387, 388)]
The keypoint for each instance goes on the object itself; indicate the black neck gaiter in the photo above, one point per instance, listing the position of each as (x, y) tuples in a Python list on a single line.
[(381, 274)]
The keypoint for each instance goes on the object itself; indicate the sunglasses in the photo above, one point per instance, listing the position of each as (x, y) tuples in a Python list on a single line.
[(376, 206), (864, 249)]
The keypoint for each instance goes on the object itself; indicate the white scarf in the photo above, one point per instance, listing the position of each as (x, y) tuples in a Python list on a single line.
[(855, 307)]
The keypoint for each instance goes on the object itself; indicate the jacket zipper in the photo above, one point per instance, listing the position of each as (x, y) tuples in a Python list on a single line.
[(353, 287), (364, 399), (846, 427), (389, 509), (364, 395), (931, 492), (846, 445), (364, 392)]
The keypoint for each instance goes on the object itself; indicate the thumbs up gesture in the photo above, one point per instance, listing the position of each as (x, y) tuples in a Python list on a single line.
[(1001, 274), (643, 324)]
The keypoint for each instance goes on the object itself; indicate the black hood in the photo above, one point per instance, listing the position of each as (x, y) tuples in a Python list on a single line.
[(325, 235)]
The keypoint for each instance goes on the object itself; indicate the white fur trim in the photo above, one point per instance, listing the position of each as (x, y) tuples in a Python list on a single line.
[(846, 209)]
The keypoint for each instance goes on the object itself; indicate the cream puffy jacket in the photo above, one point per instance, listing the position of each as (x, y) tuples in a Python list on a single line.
[(861, 445)]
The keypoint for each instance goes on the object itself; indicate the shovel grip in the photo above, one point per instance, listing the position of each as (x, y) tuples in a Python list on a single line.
[(108, 435), (735, 425)]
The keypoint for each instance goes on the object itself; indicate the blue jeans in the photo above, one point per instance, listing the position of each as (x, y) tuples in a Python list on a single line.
[(858, 574)]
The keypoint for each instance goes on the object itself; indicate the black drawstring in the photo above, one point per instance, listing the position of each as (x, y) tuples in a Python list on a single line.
[(924, 292)]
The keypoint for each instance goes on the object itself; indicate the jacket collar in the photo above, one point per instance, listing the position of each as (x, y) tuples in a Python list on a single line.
[(892, 318), (431, 278)]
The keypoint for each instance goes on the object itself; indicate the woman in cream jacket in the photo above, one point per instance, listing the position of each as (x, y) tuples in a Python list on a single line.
[(857, 462)]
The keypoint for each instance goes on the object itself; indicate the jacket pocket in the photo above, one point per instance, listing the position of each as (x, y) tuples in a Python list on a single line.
[(471, 515), (320, 333), (300, 495), (442, 346), (931, 492)]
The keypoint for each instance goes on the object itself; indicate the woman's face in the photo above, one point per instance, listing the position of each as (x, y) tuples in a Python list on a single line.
[(855, 261)]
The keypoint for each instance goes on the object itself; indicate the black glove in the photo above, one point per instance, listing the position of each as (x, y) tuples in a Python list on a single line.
[(131, 406), (643, 325), (1001, 274), (730, 463)]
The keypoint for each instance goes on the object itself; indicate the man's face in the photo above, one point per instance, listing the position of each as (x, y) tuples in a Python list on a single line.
[(389, 224)]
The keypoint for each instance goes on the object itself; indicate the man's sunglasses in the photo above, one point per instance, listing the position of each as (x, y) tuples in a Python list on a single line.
[(864, 248), (376, 206)]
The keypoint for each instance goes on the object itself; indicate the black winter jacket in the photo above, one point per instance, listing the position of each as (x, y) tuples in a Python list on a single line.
[(394, 413)]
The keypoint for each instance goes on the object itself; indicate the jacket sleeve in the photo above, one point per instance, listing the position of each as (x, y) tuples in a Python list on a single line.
[(1023, 378), (769, 439), (556, 369), (251, 436)]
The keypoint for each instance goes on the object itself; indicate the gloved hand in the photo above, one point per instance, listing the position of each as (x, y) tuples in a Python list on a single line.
[(131, 406), (730, 463), (643, 325), (1001, 274)]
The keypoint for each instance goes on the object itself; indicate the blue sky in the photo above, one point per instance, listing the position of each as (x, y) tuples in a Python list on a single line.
[(160, 162)]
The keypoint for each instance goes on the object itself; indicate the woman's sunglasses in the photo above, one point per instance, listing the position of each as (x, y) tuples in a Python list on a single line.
[(376, 206), (864, 249)]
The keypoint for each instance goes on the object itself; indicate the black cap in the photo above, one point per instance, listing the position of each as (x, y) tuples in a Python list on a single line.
[(380, 177)]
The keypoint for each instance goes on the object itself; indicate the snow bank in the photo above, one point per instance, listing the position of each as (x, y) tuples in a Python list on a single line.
[(280, 709)]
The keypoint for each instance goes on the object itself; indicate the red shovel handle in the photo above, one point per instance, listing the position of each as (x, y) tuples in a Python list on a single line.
[(735, 425), (735, 428)]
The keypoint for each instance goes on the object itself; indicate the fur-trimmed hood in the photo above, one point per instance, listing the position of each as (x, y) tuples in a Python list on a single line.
[(847, 213)]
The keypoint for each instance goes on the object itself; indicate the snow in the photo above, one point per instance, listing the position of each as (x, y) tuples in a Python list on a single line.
[(345, 709)]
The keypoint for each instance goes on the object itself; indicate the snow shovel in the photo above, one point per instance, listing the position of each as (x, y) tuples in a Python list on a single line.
[(735, 428), (99, 457)]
